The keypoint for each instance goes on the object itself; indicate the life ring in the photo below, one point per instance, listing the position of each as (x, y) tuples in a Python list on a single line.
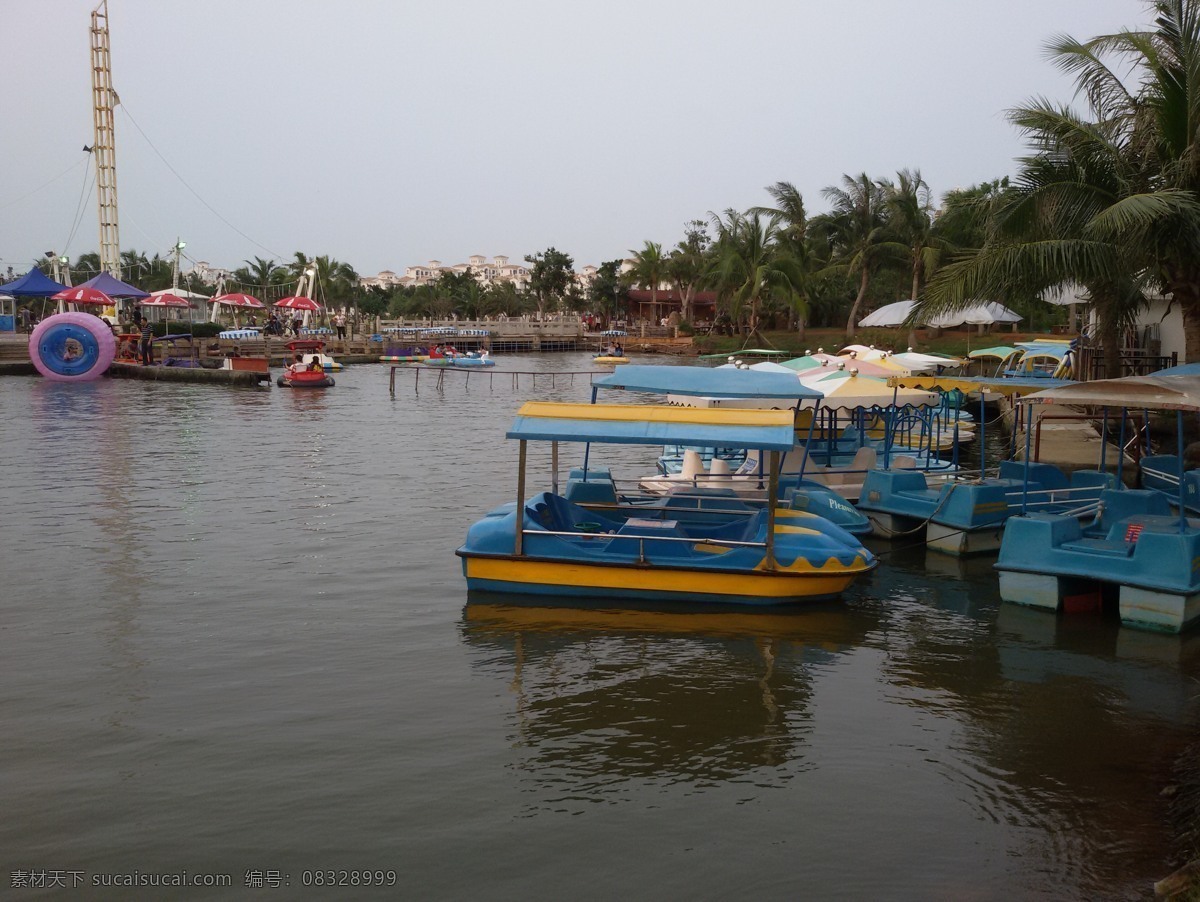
[(48, 347)]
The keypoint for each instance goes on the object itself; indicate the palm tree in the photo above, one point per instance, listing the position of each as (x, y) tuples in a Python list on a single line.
[(858, 230), (792, 234), (752, 264), (1114, 203), (910, 209), (688, 264), (1154, 127), (648, 269)]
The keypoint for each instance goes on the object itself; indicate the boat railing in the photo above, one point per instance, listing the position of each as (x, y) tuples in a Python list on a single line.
[(642, 539), (1055, 498), (624, 508), (1165, 475)]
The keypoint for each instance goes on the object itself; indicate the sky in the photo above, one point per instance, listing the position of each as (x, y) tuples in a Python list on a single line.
[(387, 133)]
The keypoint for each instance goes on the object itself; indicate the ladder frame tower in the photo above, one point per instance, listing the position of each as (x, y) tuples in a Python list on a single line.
[(104, 150)]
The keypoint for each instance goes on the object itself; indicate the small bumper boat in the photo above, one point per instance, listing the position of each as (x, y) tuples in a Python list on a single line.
[(304, 379)]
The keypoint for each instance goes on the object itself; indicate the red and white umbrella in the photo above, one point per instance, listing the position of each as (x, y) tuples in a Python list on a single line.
[(164, 300), (239, 300), (83, 295), (298, 302)]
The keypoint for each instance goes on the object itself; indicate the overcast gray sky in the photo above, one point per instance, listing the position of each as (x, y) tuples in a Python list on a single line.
[(387, 134)]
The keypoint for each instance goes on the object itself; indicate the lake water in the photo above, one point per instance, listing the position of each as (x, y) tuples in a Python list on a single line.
[(235, 639)]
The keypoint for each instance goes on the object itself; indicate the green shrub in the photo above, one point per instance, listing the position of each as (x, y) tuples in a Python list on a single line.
[(176, 327)]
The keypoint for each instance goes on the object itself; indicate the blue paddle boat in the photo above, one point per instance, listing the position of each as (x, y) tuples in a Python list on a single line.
[(697, 550), (964, 514), (1135, 550)]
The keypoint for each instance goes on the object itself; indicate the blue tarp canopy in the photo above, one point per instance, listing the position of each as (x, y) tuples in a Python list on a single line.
[(114, 288), (636, 424), (34, 284), (701, 381)]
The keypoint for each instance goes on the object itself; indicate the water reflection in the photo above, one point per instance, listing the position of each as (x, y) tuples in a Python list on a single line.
[(660, 694), (1063, 724)]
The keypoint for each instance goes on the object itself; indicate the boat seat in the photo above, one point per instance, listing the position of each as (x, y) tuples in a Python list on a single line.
[(693, 464), (719, 467), (865, 458), (1107, 547), (902, 462)]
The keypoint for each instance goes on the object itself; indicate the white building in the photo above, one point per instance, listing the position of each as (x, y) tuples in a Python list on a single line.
[(207, 274), (487, 272)]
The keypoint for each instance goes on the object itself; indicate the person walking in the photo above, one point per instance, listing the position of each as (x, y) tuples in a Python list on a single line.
[(339, 321), (147, 342)]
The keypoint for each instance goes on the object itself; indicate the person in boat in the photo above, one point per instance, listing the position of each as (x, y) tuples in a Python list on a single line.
[(618, 351), (297, 365), (314, 365)]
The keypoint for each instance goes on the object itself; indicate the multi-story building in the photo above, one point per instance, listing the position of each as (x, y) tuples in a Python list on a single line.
[(498, 269), (207, 274)]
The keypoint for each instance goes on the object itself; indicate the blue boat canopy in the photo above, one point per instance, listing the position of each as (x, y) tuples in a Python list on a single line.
[(700, 381), (639, 424)]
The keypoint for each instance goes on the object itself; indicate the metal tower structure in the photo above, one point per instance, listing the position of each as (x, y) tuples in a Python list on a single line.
[(104, 151)]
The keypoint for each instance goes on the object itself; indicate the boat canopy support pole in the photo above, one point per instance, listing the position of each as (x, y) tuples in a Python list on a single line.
[(1121, 444), (1028, 443), (554, 467), (772, 501), (520, 512), (808, 442), (1179, 451)]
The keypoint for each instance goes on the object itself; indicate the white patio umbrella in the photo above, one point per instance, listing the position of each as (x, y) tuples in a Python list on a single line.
[(889, 315), (982, 314)]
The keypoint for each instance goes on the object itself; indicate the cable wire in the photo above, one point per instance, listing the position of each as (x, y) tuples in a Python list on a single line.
[(45, 184), (182, 181)]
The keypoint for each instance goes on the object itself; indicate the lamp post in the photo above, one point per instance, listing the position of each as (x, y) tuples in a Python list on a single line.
[(177, 250)]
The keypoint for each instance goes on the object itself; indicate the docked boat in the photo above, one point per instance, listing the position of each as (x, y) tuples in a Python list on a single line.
[(965, 513), (549, 545), (749, 481), (1136, 551)]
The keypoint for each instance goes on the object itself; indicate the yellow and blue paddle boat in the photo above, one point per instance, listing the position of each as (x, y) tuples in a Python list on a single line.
[(547, 545)]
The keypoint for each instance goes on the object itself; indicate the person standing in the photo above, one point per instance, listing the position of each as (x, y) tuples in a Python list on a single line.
[(339, 321), (297, 322), (147, 343)]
